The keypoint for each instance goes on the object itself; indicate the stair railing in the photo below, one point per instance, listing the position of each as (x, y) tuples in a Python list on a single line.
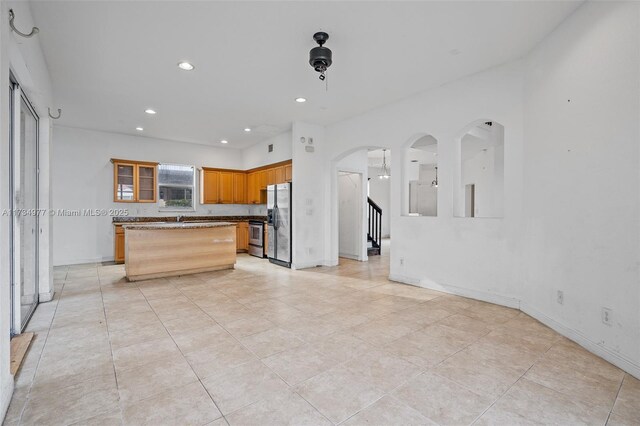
[(374, 231)]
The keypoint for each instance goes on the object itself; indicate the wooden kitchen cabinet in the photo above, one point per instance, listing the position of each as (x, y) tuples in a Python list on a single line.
[(279, 174), (118, 256), (210, 184), (239, 188), (222, 187), (242, 236), (265, 241), (226, 188), (271, 176), (134, 181), (262, 179), (288, 173), (253, 188)]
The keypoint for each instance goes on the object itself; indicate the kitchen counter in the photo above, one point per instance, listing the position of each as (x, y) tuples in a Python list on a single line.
[(175, 225), (138, 219), (155, 250)]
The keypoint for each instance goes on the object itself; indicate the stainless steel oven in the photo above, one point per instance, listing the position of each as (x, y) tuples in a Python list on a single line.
[(256, 238)]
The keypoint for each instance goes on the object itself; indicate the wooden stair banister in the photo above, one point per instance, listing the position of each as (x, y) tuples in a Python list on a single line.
[(374, 230)]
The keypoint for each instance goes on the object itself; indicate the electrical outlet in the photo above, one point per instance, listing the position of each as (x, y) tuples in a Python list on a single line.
[(560, 297), (607, 316), (402, 261)]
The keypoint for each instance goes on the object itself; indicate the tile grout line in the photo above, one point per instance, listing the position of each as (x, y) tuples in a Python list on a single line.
[(615, 399), (291, 388), (199, 380), (46, 338), (113, 364), (237, 340)]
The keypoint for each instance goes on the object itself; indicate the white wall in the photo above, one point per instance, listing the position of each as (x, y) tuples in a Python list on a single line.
[(571, 205), (476, 255), (82, 178), (350, 214), (308, 195), (258, 155), (380, 193), (25, 59), (582, 207)]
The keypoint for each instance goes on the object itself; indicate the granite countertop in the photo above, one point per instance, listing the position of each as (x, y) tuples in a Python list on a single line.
[(176, 225), (143, 219)]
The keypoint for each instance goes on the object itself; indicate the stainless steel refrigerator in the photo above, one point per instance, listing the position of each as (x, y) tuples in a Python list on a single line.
[(279, 224)]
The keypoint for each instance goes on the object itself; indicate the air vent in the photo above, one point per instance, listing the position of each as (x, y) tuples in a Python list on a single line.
[(270, 147)]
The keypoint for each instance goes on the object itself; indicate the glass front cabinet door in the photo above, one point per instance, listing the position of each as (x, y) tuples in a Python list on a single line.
[(134, 182)]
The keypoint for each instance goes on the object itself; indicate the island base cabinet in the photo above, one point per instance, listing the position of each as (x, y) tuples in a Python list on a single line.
[(155, 253)]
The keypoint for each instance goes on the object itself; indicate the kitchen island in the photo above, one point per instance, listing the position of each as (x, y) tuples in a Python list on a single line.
[(154, 250)]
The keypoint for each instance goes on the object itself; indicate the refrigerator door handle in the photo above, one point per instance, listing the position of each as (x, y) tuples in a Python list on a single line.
[(275, 218)]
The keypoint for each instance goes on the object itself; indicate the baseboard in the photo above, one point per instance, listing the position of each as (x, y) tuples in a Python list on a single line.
[(350, 256), (404, 279), (306, 265), (46, 297), (498, 299), (6, 393), (607, 354), (68, 262)]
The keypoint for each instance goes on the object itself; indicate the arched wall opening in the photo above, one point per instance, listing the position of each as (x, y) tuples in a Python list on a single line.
[(420, 176), (479, 170)]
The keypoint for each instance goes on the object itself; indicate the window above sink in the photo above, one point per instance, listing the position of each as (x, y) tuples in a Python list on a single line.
[(176, 187)]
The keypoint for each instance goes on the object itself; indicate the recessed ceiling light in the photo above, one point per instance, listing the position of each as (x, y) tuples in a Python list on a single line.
[(247, 129), (186, 66), (301, 100), (139, 129), (150, 111), (224, 141)]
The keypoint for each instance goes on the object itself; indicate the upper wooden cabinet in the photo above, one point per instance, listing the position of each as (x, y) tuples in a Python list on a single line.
[(271, 176), (146, 184), (226, 187), (220, 186), (240, 188), (279, 171), (134, 181), (210, 184), (262, 179), (223, 187), (288, 173)]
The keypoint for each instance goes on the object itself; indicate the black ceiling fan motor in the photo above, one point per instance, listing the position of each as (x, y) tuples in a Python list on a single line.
[(320, 56)]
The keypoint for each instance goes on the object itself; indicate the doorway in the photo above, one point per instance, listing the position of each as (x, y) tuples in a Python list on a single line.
[(350, 217), (470, 200), (24, 170)]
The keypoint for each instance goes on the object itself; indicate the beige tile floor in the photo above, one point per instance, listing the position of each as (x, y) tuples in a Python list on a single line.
[(263, 345)]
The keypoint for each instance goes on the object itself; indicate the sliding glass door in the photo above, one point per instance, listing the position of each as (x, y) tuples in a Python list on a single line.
[(24, 205)]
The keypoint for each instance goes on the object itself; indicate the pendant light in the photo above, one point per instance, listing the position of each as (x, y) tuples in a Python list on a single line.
[(434, 183), (385, 170)]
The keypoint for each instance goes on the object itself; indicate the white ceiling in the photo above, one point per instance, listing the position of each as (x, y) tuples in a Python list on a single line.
[(109, 60)]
